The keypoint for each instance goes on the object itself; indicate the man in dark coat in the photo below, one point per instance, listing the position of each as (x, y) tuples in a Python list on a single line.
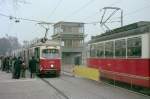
[(13, 66), (4, 64), (32, 67), (17, 67)]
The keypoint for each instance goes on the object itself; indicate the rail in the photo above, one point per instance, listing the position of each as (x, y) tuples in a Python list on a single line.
[(59, 91)]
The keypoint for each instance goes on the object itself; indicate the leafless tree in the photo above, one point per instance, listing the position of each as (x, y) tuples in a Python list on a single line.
[(8, 44)]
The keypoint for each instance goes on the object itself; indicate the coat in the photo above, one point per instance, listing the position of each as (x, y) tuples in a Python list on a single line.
[(17, 68), (17, 65), (32, 65)]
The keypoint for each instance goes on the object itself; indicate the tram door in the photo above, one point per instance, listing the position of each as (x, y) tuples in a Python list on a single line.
[(37, 53), (37, 56)]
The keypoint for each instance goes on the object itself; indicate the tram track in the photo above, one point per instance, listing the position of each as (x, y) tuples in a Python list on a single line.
[(109, 85), (77, 89), (55, 88)]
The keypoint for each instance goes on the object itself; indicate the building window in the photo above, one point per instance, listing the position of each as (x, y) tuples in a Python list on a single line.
[(134, 47), (93, 51), (57, 30), (75, 29), (109, 49), (72, 29), (68, 43), (120, 48), (100, 50), (81, 29), (76, 43)]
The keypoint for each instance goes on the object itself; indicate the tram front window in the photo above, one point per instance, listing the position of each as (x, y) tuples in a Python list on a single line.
[(50, 53)]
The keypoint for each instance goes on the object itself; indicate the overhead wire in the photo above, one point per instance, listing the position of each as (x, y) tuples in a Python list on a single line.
[(24, 2), (54, 10), (20, 18), (136, 11), (81, 8), (39, 21), (97, 22), (101, 10), (128, 14)]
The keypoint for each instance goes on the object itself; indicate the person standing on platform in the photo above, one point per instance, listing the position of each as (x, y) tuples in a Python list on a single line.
[(17, 67), (7, 64), (13, 66), (23, 69), (0, 62), (10, 64), (32, 67), (2, 66)]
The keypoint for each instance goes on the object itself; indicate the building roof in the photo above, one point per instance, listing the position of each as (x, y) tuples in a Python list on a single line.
[(62, 22)]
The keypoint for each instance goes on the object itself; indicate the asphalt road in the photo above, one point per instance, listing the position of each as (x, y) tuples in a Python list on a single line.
[(78, 88), (63, 87), (25, 88)]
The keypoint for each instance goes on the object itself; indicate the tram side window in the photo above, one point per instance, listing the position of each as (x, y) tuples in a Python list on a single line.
[(93, 51), (109, 49), (120, 48), (134, 47), (100, 50)]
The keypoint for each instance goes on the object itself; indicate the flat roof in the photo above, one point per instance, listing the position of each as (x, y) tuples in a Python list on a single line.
[(63, 22)]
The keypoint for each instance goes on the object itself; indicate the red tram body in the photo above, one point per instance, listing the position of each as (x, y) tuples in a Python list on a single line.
[(49, 57), (50, 65), (47, 54), (123, 54)]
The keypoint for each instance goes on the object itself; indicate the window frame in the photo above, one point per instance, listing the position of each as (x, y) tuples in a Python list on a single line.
[(111, 49), (122, 47), (136, 47)]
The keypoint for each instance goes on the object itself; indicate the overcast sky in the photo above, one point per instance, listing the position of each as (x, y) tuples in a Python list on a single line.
[(66, 10)]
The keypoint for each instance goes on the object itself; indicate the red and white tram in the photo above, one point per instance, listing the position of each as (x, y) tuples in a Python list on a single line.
[(49, 56), (123, 54)]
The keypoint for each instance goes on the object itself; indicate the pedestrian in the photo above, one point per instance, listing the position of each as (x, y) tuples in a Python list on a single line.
[(32, 67), (13, 66), (17, 67), (23, 69), (8, 64), (0, 62), (4, 64)]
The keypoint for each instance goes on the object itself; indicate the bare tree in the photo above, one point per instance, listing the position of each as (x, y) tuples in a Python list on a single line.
[(8, 44)]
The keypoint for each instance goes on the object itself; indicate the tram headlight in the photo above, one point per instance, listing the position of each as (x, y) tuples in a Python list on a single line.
[(52, 65)]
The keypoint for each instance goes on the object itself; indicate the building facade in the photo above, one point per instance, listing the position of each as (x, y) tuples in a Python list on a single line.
[(71, 37)]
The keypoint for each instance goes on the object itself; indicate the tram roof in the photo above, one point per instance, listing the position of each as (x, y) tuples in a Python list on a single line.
[(48, 43), (128, 30)]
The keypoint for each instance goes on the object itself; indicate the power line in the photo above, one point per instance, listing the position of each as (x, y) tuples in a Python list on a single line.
[(25, 19), (115, 3), (136, 11), (101, 9), (128, 14), (23, 1), (81, 8), (54, 10), (39, 21), (133, 12)]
